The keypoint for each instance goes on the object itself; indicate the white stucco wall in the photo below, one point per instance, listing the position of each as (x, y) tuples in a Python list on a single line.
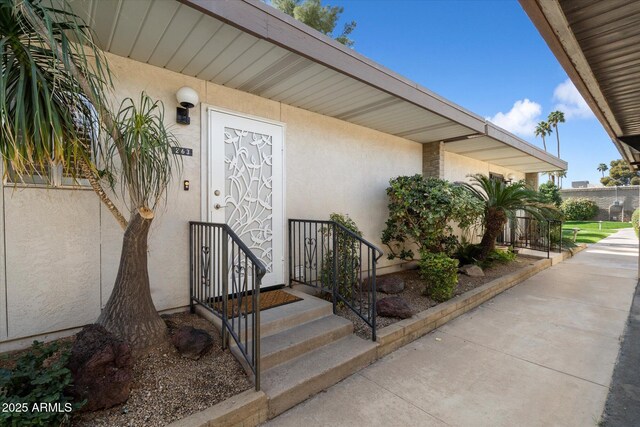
[(3, 260), (63, 246)]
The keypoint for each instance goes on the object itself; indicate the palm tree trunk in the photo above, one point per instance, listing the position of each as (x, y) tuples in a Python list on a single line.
[(558, 138), (544, 144), (494, 223), (130, 313)]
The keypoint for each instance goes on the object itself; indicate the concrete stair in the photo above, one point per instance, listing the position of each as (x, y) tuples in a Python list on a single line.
[(304, 349), (286, 345), (290, 383)]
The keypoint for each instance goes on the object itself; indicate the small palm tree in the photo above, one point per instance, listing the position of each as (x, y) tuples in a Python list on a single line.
[(602, 167), (543, 129), (501, 202), (53, 90), (554, 118)]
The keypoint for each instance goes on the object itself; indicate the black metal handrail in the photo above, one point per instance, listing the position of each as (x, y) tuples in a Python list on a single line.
[(335, 260), (225, 277), (531, 233)]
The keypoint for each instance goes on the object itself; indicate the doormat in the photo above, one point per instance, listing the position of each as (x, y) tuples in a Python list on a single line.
[(268, 300)]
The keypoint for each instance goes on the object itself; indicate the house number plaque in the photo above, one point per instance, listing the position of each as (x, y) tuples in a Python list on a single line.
[(182, 151)]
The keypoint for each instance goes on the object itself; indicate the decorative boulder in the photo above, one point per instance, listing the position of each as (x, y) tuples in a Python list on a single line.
[(191, 342), (394, 307), (102, 368), (390, 284), (471, 270)]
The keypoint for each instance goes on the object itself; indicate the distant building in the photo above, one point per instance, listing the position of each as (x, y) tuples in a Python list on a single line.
[(579, 184)]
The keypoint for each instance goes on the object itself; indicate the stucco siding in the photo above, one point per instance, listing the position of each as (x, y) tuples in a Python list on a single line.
[(334, 166), (53, 255)]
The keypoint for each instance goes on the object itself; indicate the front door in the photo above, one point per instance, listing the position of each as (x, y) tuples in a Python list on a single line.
[(246, 186)]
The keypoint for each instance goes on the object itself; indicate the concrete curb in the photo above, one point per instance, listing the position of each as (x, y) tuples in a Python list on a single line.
[(403, 332), (251, 408), (246, 409)]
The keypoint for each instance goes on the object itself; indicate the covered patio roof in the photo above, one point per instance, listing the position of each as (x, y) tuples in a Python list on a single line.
[(598, 45), (250, 46)]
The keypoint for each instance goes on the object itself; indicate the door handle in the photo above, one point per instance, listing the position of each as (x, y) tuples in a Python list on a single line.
[(219, 206)]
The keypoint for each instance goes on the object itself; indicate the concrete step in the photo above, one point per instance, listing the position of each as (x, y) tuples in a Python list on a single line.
[(281, 318), (290, 383), (288, 316), (286, 345)]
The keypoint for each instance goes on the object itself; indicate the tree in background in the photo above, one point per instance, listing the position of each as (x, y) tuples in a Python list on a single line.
[(543, 129), (619, 174), (554, 118), (315, 15), (602, 167), (54, 112), (551, 193)]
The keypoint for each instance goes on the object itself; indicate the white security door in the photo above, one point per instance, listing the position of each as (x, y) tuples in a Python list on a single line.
[(246, 185)]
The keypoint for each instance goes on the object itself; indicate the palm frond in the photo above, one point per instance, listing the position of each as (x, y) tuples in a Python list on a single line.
[(43, 110), (144, 153)]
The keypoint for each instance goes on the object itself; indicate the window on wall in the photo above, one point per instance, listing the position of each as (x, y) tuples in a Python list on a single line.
[(50, 175), (53, 174)]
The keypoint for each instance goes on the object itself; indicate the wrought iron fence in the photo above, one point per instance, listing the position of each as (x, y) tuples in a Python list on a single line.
[(531, 233), (225, 279), (328, 256)]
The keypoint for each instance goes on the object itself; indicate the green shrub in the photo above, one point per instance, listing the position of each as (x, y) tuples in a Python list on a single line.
[(635, 220), (441, 274), (39, 377), (348, 256), (551, 193), (467, 253), (498, 257), (421, 211), (579, 209)]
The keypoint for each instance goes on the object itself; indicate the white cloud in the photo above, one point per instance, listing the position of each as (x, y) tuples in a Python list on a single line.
[(570, 102), (521, 119)]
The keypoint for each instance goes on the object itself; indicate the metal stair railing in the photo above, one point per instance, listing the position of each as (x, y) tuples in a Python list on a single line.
[(335, 260), (225, 278)]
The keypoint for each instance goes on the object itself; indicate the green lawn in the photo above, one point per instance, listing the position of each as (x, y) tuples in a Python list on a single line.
[(590, 231)]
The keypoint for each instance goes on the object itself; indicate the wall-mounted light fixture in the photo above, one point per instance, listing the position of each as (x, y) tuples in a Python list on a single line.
[(187, 98), (510, 178)]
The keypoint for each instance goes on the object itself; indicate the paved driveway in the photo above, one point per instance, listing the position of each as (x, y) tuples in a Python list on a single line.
[(540, 354)]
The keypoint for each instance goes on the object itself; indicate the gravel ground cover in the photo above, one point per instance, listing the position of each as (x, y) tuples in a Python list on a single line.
[(168, 387), (414, 288)]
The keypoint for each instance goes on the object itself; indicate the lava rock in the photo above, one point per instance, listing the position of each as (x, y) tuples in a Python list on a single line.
[(102, 368), (394, 307), (389, 284), (471, 270), (191, 342)]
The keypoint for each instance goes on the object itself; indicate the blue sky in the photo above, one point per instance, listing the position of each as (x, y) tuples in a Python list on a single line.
[(487, 57)]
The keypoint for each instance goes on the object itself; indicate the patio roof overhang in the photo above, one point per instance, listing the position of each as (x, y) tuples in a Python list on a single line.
[(250, 46), (598, 45)]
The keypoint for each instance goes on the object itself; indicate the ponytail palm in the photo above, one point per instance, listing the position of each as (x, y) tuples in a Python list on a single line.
[(501, 202), (54, 87)]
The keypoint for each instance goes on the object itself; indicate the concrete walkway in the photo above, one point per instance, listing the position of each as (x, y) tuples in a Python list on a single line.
[(540, 354)]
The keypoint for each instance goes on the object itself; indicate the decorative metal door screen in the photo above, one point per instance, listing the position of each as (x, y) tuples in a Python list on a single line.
[(246, 190)]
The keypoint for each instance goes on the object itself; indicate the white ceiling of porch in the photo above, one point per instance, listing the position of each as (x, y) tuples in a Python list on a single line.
[(180, 38)]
